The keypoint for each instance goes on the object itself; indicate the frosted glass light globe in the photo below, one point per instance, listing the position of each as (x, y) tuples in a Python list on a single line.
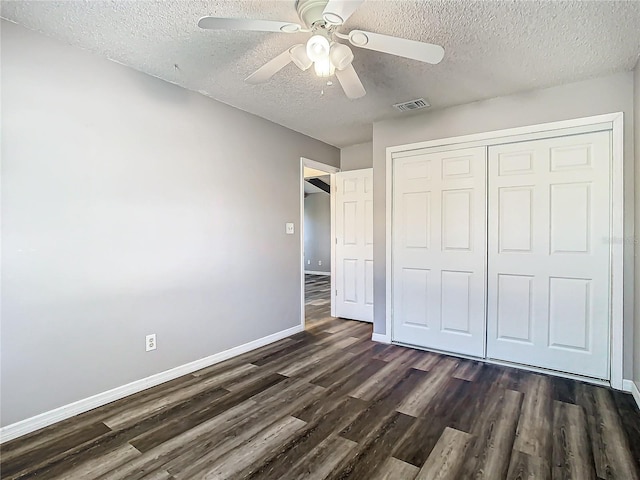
[(318, 48), (299, 57), (341, 56), (324, 67)]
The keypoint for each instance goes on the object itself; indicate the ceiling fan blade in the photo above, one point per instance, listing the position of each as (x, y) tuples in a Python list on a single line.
[(351, 83), (269, 69), (338, 11), (216, 23), (402, 47)]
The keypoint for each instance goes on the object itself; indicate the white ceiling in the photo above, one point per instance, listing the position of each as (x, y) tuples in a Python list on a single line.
[(492, 48), (309, 172)]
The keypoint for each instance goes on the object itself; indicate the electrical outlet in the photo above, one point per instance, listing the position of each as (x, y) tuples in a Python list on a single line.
[(289, 228), (308, 262), (151, 342), (319, 262)]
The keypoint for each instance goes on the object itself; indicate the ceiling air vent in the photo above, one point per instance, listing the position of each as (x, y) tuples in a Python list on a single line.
[(416, 104)]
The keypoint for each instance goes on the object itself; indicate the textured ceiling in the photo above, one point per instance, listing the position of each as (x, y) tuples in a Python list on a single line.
[(492, 48)]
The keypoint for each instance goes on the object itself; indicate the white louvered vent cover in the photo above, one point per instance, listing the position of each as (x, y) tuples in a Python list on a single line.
[(412, 105)]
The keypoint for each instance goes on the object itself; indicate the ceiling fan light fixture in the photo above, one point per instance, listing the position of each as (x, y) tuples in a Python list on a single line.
[(299, 57), (341, 56), (318, 48), (324, 68)]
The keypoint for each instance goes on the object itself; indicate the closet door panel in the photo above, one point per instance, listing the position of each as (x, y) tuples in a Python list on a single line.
[(548, 263), (439, 250)]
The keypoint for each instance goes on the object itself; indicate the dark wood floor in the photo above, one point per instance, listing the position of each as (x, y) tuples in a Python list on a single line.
[(329, 403)]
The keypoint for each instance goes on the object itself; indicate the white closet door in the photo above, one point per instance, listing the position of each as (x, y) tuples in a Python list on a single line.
[(439, 250), (354, 244), (548, 274)]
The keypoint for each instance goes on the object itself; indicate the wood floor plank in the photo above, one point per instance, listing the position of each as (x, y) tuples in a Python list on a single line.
[(21, 460), (347, 371), (241, 382), (494, 433), (195, 442), (418, 401), (158, 475), (308, 438), (381, 379), (344, 343), (427, 361), (307, 362), (152, 438), (346, 324), (322, 460), (329, 368), (372, 450), (133, 414), (253, 356), (394, 469), (363, 346), (383, 406), (235, 432), (533, 435), (572, 455), (510, 379), (94, 467), (611, 453), (468, 370), (480, 393), (342, 384), (528, 467), (353, 329), (275, 354), (628, 411), (564, 390), (417, 444), (228, 465), (448, 456)]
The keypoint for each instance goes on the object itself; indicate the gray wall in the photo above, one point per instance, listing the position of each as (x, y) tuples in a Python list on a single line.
[(636, 127), (317, 232), (356, 157), (593, 97), (131, 206)]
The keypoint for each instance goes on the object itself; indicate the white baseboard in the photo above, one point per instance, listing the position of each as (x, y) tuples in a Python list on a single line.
[(381, 338), (632, 387), (313, 272), (45, 419)]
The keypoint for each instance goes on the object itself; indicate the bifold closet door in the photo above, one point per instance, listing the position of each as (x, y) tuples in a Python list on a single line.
[(354, 244), (439, 250), (548, 265)]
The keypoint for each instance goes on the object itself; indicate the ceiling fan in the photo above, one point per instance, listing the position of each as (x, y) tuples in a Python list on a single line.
[(322, 18)]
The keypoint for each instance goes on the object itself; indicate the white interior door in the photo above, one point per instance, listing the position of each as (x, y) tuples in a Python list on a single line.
[(439, 250), (354, 244), (548, 275)]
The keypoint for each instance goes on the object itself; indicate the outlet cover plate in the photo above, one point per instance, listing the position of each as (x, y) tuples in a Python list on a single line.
[(150, 342)]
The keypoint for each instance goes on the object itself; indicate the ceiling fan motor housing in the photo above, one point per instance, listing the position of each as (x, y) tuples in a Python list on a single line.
[(310, 12)]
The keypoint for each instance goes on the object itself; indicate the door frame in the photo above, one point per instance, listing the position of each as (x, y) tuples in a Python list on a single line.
[(612, 122), (331, 170)]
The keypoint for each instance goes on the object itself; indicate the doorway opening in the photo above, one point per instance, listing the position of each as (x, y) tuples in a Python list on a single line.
[(316, 234)]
